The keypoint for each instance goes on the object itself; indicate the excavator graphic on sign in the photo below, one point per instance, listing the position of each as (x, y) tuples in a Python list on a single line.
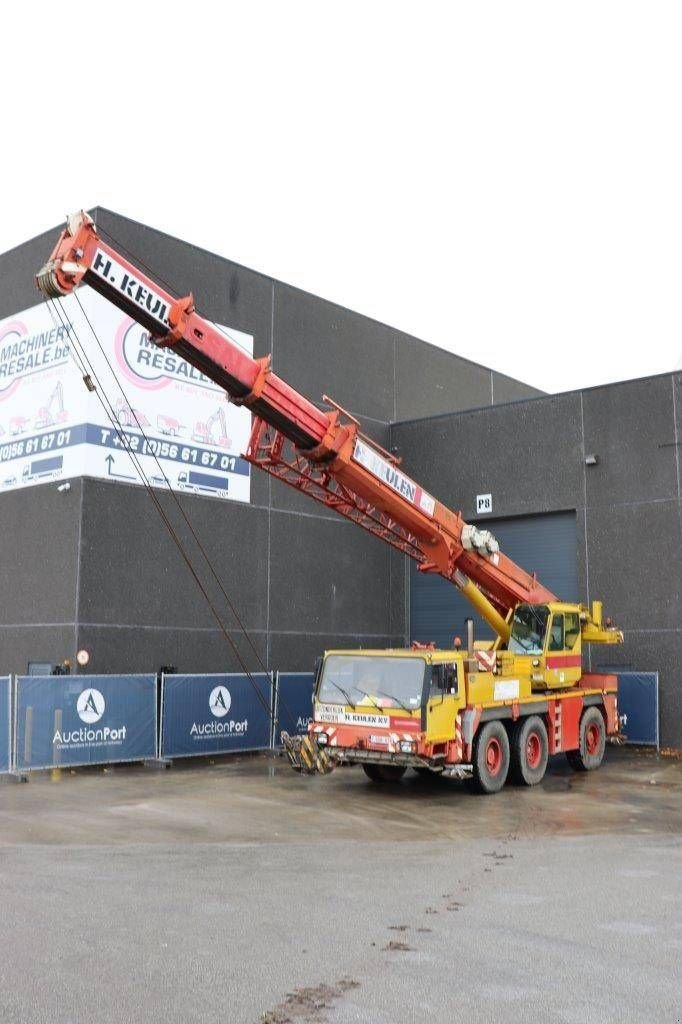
[(213, 430), (53, 412)]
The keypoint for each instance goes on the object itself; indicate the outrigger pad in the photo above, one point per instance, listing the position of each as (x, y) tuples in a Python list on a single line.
[(306, 756)]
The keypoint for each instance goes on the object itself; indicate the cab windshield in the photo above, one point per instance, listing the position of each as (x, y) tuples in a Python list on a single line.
[(528, 629), (383, 682)]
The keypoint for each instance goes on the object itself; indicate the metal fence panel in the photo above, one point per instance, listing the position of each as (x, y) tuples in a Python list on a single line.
[(80, 720), (5, 724), (293, 704), (215, 714), (638, 706)]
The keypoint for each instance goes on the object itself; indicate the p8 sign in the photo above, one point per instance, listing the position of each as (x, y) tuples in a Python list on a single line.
[(484, 503)]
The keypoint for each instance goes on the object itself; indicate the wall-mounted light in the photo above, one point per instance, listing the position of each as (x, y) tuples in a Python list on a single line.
[(591, 460), (62, 488)]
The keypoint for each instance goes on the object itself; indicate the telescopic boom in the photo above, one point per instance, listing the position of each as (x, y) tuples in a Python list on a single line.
[(320, 452)]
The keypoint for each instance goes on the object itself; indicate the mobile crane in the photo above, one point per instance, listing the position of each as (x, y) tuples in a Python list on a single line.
[(492, 710)]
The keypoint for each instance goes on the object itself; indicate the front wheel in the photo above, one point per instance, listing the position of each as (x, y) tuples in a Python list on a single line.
[(384, 772), (590, 753), (491, 758)]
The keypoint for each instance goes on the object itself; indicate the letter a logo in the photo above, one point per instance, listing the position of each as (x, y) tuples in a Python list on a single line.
[(220, 701), (90, 706)]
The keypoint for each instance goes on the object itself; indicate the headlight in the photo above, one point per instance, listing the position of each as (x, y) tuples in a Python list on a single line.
[(322, 739), (406, 746)]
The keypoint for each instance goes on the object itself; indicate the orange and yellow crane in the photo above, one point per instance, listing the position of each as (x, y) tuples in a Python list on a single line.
[(463, 713)]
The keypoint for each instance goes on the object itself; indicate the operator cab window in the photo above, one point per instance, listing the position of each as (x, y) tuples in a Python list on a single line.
[(556, 634), (528, 629), (443, 680), (571, 629)]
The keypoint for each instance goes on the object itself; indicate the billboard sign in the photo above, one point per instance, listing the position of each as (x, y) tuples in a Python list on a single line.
[(79, 720), (294, 703), (175, 421), (215, 714)]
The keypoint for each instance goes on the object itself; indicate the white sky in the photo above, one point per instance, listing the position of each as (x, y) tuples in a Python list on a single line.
[(501, 179)]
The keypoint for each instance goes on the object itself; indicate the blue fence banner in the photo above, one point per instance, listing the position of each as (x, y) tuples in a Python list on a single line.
[(5, 719), (215, 714), (638, 706), (293, 703), (79, 720)]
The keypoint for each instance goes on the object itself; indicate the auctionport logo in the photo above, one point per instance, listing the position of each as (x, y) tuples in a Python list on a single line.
[(219, 704), (90, 706), (220, 701)]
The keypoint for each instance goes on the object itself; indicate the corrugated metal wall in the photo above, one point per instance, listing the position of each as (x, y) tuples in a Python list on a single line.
[(545, 544)]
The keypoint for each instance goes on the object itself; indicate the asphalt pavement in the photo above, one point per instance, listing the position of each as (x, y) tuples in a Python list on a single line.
[(238, 893)]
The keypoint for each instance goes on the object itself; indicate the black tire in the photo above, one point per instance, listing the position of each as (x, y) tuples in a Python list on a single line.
[(529, 752), (384, 772), (491, 758), (590, 753)]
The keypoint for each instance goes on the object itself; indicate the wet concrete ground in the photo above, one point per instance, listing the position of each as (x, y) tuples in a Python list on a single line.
[(208, 893)]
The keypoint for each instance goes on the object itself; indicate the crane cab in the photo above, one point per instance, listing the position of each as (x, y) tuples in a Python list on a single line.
[(546, 645)]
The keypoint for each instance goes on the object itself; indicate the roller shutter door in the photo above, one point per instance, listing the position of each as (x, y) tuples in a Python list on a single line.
[(543, 544)]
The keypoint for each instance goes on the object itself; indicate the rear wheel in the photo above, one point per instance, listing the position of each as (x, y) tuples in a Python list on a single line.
[(384, 772), (590, 753), (491, 758), (529, 752)]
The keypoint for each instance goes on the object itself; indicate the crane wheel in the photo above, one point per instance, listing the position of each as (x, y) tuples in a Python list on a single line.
[(490, 758), (529, 752), (590, 753), (384, 772)]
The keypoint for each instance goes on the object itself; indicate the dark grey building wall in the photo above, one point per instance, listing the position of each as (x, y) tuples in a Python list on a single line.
[(96, 568), (531, 456), (39, 555)]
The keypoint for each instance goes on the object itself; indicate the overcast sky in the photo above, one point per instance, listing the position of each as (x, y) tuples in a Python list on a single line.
[(501, 179)]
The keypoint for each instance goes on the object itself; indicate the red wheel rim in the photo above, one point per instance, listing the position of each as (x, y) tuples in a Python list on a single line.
[(592, 738), (533, 750), (493, 756)]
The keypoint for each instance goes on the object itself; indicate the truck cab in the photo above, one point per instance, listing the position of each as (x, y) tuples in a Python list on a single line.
[(390, 709)]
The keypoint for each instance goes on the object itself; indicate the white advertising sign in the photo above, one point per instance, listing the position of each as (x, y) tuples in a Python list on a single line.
[(53, 428)]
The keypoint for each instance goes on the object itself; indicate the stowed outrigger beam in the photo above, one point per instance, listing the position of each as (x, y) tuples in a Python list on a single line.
[(306, 756)]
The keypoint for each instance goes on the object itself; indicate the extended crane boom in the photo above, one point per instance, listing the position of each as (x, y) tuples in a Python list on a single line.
[(321, 452)]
